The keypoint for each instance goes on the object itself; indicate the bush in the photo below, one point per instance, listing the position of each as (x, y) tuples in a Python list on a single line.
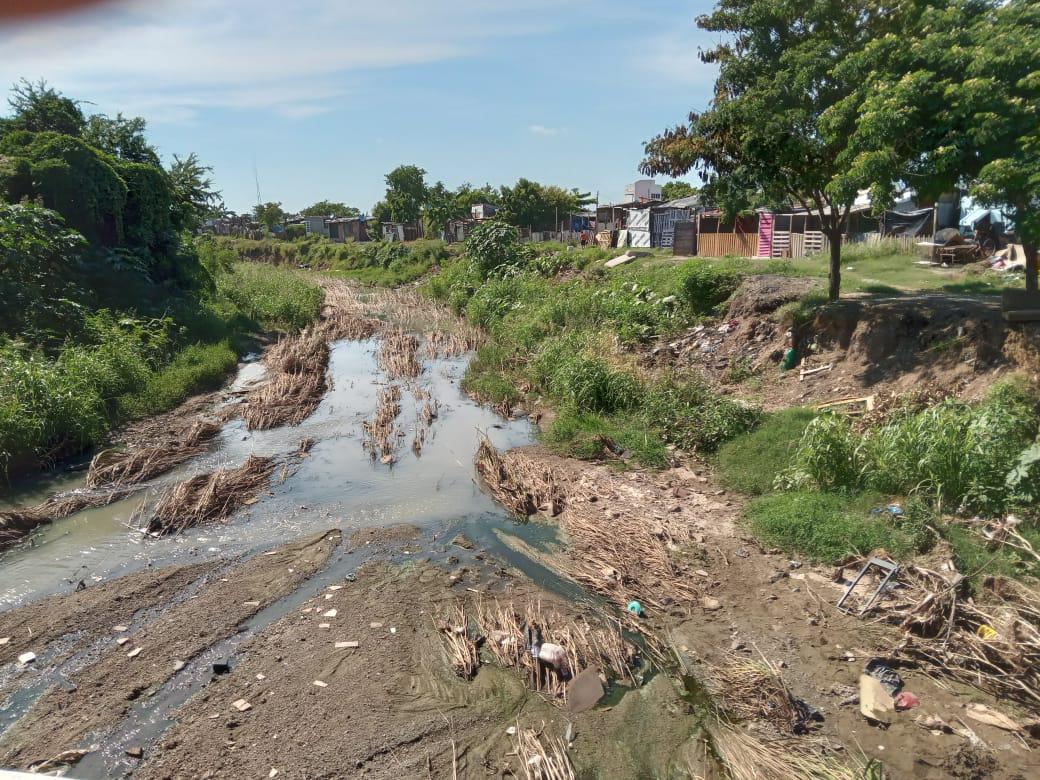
[(492, 245), (956, 453), (704, 286), (692, 417), (593, 437)]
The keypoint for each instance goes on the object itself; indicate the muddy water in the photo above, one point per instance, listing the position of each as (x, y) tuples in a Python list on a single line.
[(337, 485)]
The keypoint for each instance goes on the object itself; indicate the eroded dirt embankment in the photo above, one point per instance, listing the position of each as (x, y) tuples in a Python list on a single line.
[(929, 343), (101, 695)]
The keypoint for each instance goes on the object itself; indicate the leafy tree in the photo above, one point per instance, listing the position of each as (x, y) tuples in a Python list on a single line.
[(955, 104), (491, 245), (328, 208), (39, 108), (530, 204), (441, 207), (121, 137), (788, 98), (381, 213), (468, 196), (269, 214), (674, 190), (194, 197), (406, 193), (37, 252)]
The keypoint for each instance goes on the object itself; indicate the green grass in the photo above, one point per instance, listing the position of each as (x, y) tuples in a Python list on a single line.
[(194, 369), (274, 297), (594, 436), (751, 462), (827, 527)]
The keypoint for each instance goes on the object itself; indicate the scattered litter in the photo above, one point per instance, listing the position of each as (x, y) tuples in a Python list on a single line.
[(178, 665), (711, 604), (329, 613), (893, 510), (554, 655), (375, 625), (347, 645), (222, 666), (250, 603), (890, 569), (261, 676), (511, 730), (635, 608), (4, 640), (273, 772), (985, 632), (885, 674), (393, 630), (991, 717), (934, 724), (906, 701), (135, 652), (241, 705), (875, 703), (584, 691), (122, 640), (805, 372), (120, 629), (324, 625), (26, 658), (335, 587), (321, 684), (135, 751)]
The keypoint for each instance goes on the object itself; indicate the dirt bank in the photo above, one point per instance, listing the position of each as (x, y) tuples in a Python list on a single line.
[(761, 605), (102, 693), (887, 346), (392, 707)]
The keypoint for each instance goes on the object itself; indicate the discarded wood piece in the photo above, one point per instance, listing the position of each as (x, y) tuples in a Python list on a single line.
[(867, 401), (802, 374)]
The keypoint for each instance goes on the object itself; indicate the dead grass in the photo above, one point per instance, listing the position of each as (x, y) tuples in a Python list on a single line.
[(297, 365), (381, 433), (208, 497), (621, 555), (507, 630), (397, 356), (755, 690), (542, 757), (114, 467)]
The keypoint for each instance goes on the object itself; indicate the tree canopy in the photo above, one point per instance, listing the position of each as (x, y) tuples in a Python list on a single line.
[(38, 108), (539, 207), (269, 214), (788, 98), (121, 137), (195, 199), (405, 193), (329, 208), (673, 190)]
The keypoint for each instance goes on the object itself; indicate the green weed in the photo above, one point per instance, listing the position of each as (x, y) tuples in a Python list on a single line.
[(751, 462)]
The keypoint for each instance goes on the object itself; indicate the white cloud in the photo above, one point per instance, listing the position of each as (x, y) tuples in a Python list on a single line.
[(543, 130), (169, 59)]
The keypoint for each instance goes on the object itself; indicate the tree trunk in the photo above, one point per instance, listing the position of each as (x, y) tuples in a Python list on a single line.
[(834, 238), (1031, 269)]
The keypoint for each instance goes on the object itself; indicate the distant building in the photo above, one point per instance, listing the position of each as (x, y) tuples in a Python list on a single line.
[(481, 211), (343, 229), (643, 191), (315, 225)]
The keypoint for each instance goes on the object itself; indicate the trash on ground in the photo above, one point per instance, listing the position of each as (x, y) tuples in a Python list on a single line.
[(135, 751), (635, 608), (347, 645), (875, 703), (329, 613), (991, 717), (906, 701), (889, 568), (710, 603), (122, 640), (584, 691), (885, 674), (321, 684), (934, 724), (222, 666), (26, 658), (135, 652), (241, 705)]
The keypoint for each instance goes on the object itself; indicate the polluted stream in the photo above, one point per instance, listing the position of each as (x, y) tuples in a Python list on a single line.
[(338, 484)]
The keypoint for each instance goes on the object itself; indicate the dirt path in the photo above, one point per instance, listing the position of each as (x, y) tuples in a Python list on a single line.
[(103, 692)]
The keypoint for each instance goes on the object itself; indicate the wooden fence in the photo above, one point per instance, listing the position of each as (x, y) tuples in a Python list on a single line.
[(722, 244)]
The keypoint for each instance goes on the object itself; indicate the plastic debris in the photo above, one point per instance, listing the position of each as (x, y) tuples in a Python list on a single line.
[(241, 705), (635, 608), (321, 684), (985, 632), (329, 613), (222, 667), (4, 640), (906, 701), (26, 658), (875, 703), (122, 640), (885, 674), (584, 691), (135, 652), (347, 645)]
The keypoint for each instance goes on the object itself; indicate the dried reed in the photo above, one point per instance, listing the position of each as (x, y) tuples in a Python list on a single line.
[(752, 690), (381, 433), (398, 354), (110, 467), (540, 761), (208, 497), (462, 651), (297, 364)]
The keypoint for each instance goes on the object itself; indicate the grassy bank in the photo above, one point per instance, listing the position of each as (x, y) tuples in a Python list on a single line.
[(127, 348), (376, 262)]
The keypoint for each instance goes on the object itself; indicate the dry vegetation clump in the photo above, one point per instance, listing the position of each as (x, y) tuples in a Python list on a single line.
[(209, 497), (298, 382), (114, 467), (748, 757), (449, 344), (506, 632), (755, 690), (398, 354), (343, 316), (543, 761), (381, 433), (990, 641), (16, 523), (632, 559)]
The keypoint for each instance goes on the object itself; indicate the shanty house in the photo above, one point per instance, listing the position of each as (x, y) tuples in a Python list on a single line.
[(343, 229)]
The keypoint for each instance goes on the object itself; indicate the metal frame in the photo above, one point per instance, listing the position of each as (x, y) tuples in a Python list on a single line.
[(891, 568)]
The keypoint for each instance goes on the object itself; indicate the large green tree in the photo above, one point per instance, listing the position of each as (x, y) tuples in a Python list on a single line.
[(405, 193), (955, 102), (121, 137), (788, 98), (538, 207), (330, 208), (269, 214), (441, 207), (673, 190)]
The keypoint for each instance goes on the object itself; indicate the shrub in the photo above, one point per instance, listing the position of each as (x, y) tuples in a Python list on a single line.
[(692, 417), (593, 437), (704, 286), (492, 245)]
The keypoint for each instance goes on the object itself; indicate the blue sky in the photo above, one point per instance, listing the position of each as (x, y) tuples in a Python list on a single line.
[(325, 97)]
